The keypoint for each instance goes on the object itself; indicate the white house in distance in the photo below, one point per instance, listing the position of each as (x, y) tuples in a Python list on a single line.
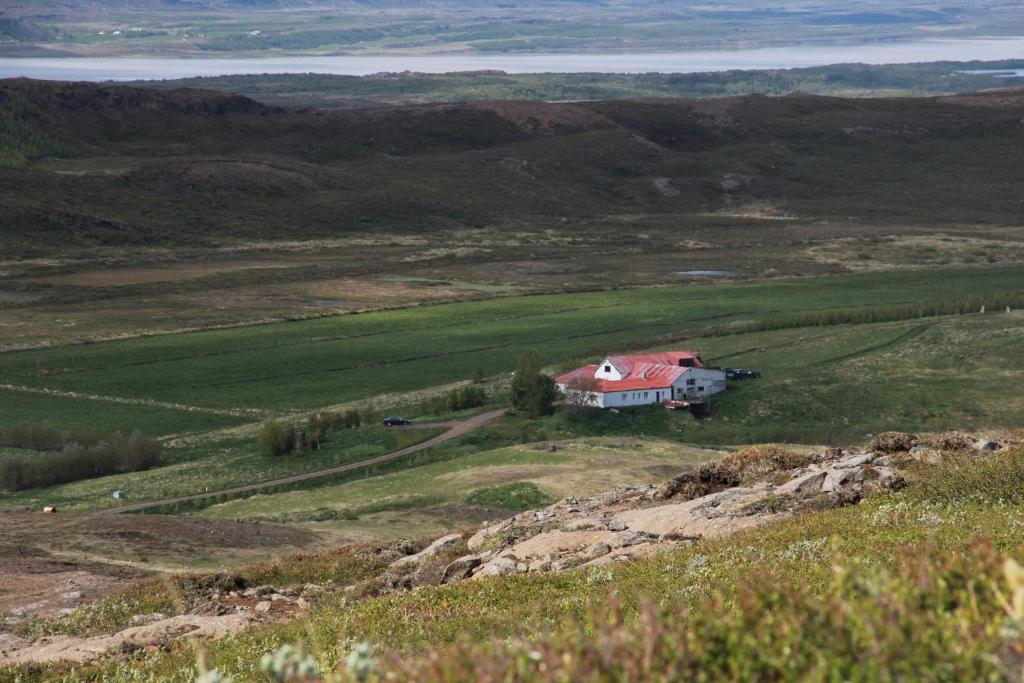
[(623, 381)]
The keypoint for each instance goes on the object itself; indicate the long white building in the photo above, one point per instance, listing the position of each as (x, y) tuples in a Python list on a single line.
[(622, 381)]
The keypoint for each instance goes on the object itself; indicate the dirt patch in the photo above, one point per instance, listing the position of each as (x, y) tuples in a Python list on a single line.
[(50, 563)]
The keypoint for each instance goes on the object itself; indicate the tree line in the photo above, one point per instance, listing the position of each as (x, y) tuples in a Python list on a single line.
[(61, 456), (276, 439)]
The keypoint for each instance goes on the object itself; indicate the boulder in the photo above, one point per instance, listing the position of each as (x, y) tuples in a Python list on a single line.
[(986, 445), (435, 548), (628, 538), (500, 566), (616, 525), (804, 483), (461, 568), (836, 478), (597, 550), (263, 607)]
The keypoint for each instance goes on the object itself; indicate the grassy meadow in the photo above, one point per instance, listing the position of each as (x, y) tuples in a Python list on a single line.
[(305, 365), (213, 465), (374, 506), (850, 357)]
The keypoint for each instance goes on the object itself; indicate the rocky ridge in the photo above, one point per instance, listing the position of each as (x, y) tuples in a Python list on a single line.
[(752, 487)]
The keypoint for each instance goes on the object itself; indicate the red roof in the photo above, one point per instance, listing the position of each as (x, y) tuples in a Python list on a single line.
[(623, 363), (639, 372)]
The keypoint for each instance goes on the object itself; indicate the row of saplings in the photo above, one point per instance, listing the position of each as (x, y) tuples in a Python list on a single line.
[(54, 456), (276, 439)]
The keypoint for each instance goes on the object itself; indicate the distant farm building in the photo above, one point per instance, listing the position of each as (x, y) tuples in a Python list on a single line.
[(624, 381)]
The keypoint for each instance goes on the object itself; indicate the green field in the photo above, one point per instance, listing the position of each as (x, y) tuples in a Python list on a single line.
[(824, 380), (309, 364), (84, 414), (424, 500), (215, 465)]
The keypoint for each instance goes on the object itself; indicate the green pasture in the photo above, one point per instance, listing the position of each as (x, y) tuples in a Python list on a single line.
[(839, 383), (218, 465), (308, 364), (579, 467), (83, 414)]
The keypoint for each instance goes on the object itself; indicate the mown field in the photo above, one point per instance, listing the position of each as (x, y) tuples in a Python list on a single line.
[(301, 366)]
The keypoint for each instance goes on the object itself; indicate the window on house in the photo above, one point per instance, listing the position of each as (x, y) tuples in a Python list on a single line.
[(700, 388), (607, 368), (625, 396), (646, 394), (690, 382)]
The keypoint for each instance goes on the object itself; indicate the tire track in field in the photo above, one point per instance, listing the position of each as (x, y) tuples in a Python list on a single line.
[(230, 412), (913, 332)]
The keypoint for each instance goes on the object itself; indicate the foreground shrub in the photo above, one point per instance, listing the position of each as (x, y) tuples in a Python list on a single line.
[(893, 442), (758, 461), (965, 477), (940, 620)]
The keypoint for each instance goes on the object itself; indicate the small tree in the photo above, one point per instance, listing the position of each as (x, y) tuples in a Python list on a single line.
[(533, 392), (272, 440)]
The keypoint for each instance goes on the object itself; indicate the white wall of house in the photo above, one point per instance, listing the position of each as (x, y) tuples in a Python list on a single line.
[(642, 397), (698, 384)]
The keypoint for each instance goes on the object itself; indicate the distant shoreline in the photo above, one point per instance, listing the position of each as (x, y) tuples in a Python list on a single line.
[(699, 61)]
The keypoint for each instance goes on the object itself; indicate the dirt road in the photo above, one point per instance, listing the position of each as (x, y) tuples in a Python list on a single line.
[(457, 428)]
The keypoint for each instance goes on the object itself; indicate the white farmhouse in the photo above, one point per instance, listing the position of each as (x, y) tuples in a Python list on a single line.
[(623, 381)]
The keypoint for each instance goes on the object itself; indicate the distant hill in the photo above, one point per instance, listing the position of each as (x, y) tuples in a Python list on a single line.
[(93, 163)]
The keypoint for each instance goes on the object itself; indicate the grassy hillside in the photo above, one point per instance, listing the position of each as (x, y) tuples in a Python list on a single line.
[(178, 168), (906, 584)]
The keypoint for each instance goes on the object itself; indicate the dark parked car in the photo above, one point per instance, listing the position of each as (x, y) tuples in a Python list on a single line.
[(741, 374), (396, 422)]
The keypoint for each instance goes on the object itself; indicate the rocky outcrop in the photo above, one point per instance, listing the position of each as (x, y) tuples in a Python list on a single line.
[(711, 502)]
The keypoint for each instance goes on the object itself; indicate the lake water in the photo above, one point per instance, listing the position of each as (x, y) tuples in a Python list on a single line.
[(131, 68), (998, 73)]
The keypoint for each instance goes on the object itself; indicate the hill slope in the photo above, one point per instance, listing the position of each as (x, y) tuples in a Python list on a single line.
[(168, 167), (834, 581)]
